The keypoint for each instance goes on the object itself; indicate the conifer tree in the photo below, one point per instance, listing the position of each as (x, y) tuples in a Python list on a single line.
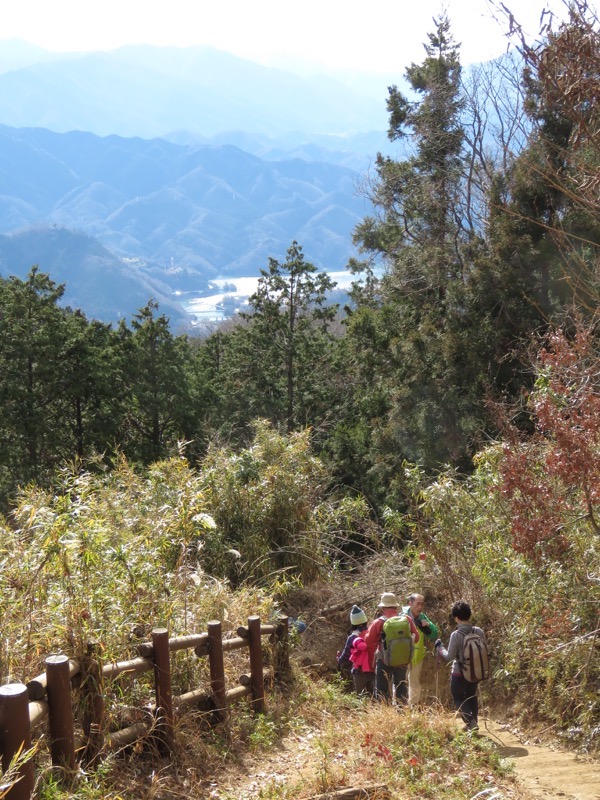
[(158, 384), (551, 198), (285, 346), (426, 245), (93, 387), (33, 336)]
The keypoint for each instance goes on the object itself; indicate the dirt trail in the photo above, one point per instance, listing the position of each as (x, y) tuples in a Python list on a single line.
[(548, 773), (542, 771)]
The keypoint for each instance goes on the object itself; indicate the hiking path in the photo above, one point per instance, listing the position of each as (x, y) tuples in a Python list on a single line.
[(546, 771)]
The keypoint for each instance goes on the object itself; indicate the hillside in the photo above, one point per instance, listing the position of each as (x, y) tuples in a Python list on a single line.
[(186, 213), (114, 576), (188, 162), (105, 287)]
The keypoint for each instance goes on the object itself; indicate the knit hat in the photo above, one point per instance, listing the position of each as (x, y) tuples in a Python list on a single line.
[(357, 616), (388, 600)]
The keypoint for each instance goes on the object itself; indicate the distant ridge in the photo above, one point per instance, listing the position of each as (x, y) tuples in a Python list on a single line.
[(186, 214), (181, 164), (148, 91), (104, 287)]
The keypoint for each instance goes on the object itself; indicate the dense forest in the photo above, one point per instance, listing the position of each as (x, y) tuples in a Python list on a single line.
[(488, 233), (454, 404)]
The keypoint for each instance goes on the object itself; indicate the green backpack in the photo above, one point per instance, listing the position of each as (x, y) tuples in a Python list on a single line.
[(396, 641)]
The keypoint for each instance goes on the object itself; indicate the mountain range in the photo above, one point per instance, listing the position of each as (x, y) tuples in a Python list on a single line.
[(158, 169), (149, 91)]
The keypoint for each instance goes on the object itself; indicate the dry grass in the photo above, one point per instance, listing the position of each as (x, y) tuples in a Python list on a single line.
[(314, 738), (334, 741)]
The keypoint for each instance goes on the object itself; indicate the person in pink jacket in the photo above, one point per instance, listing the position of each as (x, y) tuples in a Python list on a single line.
[(355, 652)]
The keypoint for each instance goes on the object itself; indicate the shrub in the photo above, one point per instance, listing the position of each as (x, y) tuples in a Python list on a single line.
[(106, 558), (264, 500), (519, 538)]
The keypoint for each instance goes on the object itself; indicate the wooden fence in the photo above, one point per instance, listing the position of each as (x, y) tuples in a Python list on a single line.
[(48, 697)]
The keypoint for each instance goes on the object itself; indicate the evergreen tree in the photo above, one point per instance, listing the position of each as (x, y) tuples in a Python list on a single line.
[(550, 203), (422, 235), (158, 383), (283, 352), (33, 339), (93, 387)]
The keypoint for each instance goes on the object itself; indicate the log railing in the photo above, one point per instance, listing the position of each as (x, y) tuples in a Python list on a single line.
[(47, 697)]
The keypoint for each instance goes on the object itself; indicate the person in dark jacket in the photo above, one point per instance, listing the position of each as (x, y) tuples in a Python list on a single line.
[(464, 693)]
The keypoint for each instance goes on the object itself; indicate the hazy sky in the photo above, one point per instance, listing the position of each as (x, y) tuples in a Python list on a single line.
[(367, 35)]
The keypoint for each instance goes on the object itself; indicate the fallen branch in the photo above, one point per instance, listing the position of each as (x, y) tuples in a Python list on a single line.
[(377, 791), (345, 605), (329, 610)]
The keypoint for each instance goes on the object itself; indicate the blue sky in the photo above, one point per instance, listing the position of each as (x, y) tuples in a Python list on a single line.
[(375, 36)]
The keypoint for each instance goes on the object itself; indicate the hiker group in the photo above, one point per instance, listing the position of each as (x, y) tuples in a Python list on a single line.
[(385, 657)]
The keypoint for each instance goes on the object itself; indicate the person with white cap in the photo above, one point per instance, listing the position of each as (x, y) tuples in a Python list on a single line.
[(388, 677), (355, 654), (427, 630)]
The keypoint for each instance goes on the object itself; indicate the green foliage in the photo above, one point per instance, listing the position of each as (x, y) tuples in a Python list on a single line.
[(549, 216), (433, 362), (32, 380), (107, 558), (288, 337), (349, 531), (71, 388), (518, 539), (264, 734), (158, 383), (264, 500), (478, 256)]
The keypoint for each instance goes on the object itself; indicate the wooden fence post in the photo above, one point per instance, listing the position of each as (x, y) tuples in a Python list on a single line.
[(60, 711), (162, 680), (217, 668), (282, 650), (15, 736), (93, 704), (256, 664)]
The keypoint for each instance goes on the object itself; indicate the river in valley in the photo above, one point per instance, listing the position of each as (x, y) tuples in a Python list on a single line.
[(228, 295)]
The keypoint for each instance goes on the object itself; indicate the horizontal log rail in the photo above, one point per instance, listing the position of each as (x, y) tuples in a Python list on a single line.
[(134, 665), (36, 687), (129, 735), (38, 712), (48, 697), (146, 649)]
